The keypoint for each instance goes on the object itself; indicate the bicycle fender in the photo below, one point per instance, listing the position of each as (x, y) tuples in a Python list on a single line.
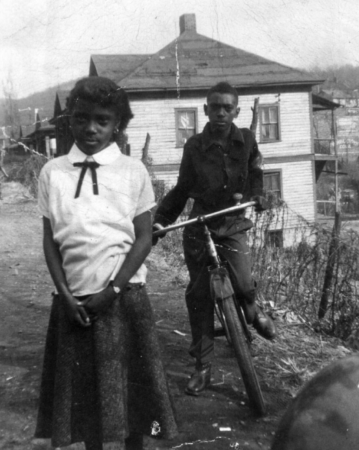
[(220, 284)]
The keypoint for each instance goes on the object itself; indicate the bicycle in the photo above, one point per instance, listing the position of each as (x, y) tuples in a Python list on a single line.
[(230, 315)]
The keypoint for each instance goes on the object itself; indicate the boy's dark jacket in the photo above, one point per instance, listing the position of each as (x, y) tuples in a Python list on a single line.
[(211, 176)]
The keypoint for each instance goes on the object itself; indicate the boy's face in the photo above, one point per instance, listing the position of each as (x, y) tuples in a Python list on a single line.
[(92, 126), (221, 110)]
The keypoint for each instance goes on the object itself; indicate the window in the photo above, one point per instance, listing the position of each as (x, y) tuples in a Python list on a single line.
[(272, 185), (274, 238), (186, 125), (269, 123)]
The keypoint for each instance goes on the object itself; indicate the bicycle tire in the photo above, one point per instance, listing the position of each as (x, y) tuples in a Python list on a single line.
[(243, 356)]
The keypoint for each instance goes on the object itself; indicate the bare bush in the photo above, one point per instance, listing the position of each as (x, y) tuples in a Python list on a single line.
[(27, 172), (292, 275)]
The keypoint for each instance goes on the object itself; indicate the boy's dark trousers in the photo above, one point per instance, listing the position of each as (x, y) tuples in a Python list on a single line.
[(232, 247)]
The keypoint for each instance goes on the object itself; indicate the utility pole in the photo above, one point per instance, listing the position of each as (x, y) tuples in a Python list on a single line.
[(10, 108)]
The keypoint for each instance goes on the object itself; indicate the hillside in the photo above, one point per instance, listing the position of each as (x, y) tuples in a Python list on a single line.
[(43, 101), (347, 75)]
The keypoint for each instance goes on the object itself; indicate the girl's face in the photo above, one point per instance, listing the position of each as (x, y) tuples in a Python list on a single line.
[(92, 126)]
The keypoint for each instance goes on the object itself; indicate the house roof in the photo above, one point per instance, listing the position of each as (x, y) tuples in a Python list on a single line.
[(60, 104), (193, 61), (61, 97), (46, 130), (115, 67), (323, 101)]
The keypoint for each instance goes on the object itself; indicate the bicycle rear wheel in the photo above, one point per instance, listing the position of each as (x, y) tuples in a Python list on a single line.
[(243, 355)]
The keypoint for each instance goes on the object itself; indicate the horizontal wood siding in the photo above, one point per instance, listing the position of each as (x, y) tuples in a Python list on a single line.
[(170, 178), (295, 123), (298, 189), (157, 117)]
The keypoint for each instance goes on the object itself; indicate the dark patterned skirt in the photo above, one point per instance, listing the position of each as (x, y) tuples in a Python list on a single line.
[(106, 381)]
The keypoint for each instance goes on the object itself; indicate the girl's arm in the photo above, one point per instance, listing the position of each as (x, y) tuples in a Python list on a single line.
[(139, 251), (136, 256), (75, 312)]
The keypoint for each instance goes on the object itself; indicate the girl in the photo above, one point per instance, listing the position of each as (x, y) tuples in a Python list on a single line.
[(102, 380)]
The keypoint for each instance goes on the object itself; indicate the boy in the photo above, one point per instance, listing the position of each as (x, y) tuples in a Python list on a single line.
[(217, 163)]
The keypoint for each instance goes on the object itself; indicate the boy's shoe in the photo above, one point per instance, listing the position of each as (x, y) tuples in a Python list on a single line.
[(264, 325), (200, 380)]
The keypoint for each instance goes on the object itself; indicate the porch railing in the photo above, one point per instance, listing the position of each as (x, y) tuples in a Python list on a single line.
[(326, 207)]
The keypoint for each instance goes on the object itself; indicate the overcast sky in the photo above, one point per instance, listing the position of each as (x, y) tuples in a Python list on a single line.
[(46, 42)]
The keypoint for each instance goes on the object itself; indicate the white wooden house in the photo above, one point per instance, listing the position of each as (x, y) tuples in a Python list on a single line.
[(168, 91)]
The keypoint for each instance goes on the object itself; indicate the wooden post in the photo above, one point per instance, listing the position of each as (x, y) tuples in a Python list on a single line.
[(255, 109), (334, 133), (332, 255), (334, 242), (2, 155), (145, 149)]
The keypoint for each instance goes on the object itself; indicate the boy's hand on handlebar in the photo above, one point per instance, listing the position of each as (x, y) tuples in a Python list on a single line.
[(156, 227), (261, 203)]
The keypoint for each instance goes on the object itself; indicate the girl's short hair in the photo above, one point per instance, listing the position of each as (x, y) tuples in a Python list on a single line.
[(104, 92), (223, 88)]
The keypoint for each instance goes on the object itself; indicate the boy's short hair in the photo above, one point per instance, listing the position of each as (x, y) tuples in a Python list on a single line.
[(223, 88), (104, 92)]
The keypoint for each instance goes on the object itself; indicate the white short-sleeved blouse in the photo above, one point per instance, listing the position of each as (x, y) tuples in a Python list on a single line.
[(94, 232)]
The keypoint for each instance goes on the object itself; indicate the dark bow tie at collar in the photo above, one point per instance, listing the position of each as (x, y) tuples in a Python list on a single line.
[(92, 165)]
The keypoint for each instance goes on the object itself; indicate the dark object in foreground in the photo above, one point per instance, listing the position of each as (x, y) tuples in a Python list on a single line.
[(324, 415)]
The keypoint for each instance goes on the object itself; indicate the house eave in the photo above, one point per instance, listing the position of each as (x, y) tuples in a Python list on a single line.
[(242, 86)]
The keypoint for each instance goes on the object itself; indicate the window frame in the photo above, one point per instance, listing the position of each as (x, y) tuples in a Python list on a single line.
[(262, 140), (280, 173), (177, 116), (275, 238)]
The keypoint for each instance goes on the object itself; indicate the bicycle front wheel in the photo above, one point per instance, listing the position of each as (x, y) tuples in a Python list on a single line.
[(243, 355)]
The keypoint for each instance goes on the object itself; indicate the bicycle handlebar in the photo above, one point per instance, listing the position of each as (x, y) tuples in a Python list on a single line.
[(201, 219)]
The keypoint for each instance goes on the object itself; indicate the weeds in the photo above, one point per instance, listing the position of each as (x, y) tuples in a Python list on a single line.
[(292, 275), (27, 173)]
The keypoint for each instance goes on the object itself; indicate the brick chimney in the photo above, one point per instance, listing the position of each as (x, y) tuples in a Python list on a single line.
[(187, 23)]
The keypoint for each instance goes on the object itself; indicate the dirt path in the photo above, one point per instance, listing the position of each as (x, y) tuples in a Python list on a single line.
[(25, 290)]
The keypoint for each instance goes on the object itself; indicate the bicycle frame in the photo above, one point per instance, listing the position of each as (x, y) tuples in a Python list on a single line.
[(228, 312), (204, 218), (216, 263)]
